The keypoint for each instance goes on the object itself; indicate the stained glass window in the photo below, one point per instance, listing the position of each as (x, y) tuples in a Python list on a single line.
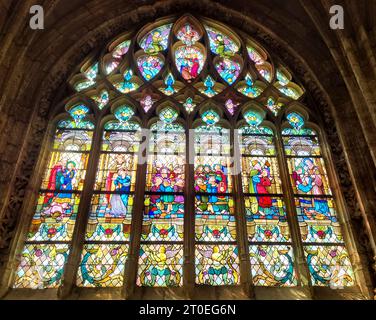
[(50, 233), (184, 78), (270, 247), (161, 254), (326, 255), (110, 217)]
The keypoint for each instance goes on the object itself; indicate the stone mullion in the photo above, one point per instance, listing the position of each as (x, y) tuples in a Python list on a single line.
[(289, 199), (189, 216), (131, 265), (240, 217), (78, 238)]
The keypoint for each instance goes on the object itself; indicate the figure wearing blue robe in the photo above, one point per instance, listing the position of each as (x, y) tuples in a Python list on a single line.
[(119, 202)]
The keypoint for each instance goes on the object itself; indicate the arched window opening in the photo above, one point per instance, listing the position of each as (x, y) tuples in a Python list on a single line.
[(177, 77)]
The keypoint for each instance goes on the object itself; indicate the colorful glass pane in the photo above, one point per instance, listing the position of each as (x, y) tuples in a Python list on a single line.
[(124, 113), (189, 105), (163, 218), (308, 176), (260, 130), (215, 220), (290, 92), (217, 265), (71, 124), (55, 217), (329, 266), (257, 145), (254, 55), (147, 103), (214, 141), (209, 89), (168, 142), (253, 118), (102, 265), (121, 126), (82, 85), (295, 120), (102, 100), (110, 217), (260, 175), (127, 85), (228, 69), (169, 82), (266, 219), (213, 174), (160, 266), (121, 141), (92, 72), (65, 172), (220, 43), (165, 173), (249, 89), (79, 112), (272, 266), (302, 146), (210, 117), (41, 266), (231, 106), (273, 106), (121, 49), (265, 72), (116, 172), (156, 40), (318, 220), (149, 66), (117, 54), (72, 140), (168, 115), (189, 61), (188, 34)]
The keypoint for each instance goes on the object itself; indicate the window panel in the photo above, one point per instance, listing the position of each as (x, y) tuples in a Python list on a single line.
[(308, 176), (318, 220), (55, 217), (327, 258), (41, 266), (65, 171), (329, 266), (160, 266), (109, 224), (272, 266), (116, 172), (102, 265), (260, 175), (213, 174), (163, 218), (165, 173), (160, 260), (266, 219), (217, 265), (110, 217)]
